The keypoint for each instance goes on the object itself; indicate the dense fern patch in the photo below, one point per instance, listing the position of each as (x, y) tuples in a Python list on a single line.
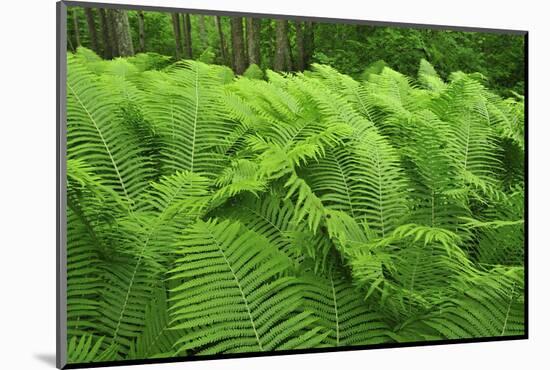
[(209, 213)]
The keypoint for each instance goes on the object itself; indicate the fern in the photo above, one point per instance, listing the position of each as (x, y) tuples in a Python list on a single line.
[(342, 310), (86, 349), (232, 296), (95, 135), (184, 104), (209, 214)]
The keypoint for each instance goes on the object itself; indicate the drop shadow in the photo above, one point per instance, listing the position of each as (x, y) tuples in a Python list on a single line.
[(47, 358)]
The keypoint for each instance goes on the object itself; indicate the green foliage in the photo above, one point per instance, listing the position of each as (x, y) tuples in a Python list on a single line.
[(254, 72), (346, 47), (212, 214)]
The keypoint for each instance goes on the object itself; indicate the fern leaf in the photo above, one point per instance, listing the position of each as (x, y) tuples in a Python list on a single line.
[(231, 296)]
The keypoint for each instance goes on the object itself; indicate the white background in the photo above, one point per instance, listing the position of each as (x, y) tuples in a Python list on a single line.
[(27, 181)]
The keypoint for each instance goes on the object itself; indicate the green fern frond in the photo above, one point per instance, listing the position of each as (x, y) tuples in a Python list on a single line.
[(96, 135), (185, 107), (156, 339), (231, 296), (87, 349), (341, 309), (490, 305)]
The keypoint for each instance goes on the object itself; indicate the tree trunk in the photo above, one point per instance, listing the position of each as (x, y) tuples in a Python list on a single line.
[(300, 51), (202, 32), (239, 62), (121, 28), (177, 34), (112, 32), (187, 36), (309, 42), (141, 25), (91, 29), (282, 53), (288, 51), (223, 51), (253, 27), (76, 28), (107, 46)]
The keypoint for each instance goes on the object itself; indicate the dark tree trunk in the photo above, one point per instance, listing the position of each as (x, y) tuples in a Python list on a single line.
[(141, 25), (187, 36), (239, 61), (253, 27), (282, 60), (121, 28), (202, 32), (112, 33), (223, 51), (104, 23), (177, 34), (92, 29), (76, 28), (70, 44), (300, 50), (309, 42)]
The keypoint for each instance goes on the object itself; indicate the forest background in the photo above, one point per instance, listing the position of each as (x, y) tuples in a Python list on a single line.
[(293, 45)]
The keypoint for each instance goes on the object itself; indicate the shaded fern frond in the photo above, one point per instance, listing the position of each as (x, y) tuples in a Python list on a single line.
[(342, 310)]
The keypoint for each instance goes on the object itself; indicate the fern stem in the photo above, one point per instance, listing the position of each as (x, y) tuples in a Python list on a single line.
[(380, 192), (138, 262), (245, 301), (346, 185), (196, 117), (335, 312), (508, 311)]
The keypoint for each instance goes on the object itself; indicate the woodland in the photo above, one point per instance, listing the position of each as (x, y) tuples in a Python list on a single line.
[(242, 185)]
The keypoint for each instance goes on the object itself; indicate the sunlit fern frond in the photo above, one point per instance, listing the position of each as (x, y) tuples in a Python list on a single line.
[(95, 134), (184, 106)]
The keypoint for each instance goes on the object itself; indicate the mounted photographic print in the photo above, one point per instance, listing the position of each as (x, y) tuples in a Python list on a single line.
[(235, 185)]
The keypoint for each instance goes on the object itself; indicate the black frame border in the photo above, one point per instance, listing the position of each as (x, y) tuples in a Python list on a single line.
[(61, 196)]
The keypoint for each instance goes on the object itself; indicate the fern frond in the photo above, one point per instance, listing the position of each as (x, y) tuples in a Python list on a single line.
[(184, 105), (156, 339), (96, 135), (231, 296), (342, 310), (490, 305), (143, 249), (86, 349)]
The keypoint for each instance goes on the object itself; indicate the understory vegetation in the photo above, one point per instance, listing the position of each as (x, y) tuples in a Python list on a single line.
[(210, 213)]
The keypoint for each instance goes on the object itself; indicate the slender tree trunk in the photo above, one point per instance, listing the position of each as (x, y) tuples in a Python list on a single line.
[(202, 32), (309, 42), (239, 62), (121, 28), (92, 29), (76, 28), (223, 51), (70, 44), (282, 53), (300, 50), (253, 26), (104, 23), (141, 25), (112, 32), (177, 34), (186, 18), (288, 51)]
